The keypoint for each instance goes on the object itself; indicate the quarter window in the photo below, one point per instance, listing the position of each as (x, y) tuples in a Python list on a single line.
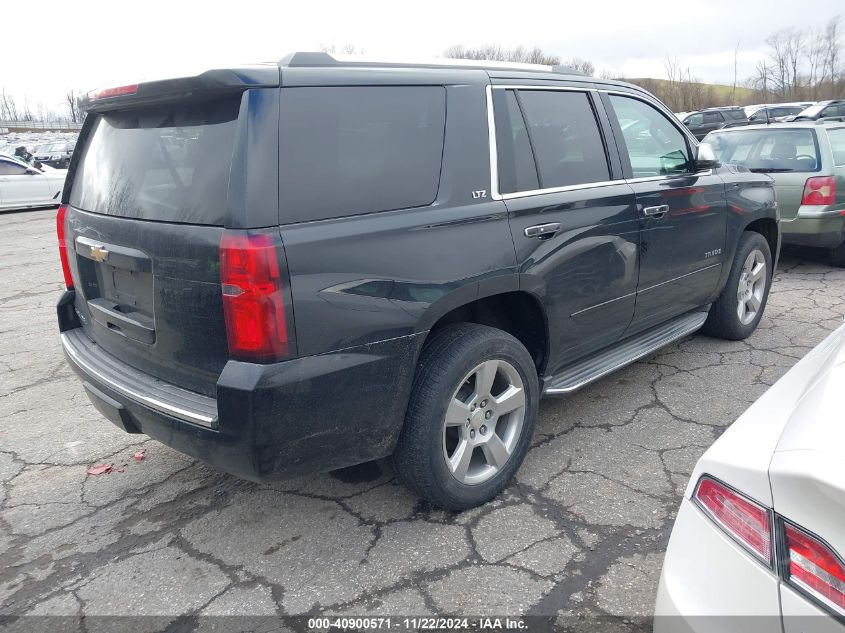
[(837, 144), (350, 150), (654, 145), (565, 137)]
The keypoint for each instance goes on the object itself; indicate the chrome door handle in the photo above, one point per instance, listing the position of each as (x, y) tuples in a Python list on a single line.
[(656, 212), (540, 230)]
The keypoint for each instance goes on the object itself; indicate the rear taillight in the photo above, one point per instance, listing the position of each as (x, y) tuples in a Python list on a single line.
[(253, 296), (820, 190), (61, 219), (815, 568), (749, 523)]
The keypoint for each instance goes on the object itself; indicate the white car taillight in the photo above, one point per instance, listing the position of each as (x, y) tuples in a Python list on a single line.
[(748, 522), (815, 568)]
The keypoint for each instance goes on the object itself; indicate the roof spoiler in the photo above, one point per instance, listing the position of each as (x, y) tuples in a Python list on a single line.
[(212, 82)]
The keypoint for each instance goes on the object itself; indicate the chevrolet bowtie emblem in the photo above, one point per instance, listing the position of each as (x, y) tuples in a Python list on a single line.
[(99, 253)]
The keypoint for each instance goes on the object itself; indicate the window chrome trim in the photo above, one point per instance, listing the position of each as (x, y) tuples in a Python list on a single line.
[(493, 149), (691, 174)]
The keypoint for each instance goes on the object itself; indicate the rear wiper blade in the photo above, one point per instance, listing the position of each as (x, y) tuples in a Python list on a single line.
[(768, 170)]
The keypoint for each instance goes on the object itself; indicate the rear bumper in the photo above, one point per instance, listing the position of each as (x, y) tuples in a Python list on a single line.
[(820, 232), (709, 583), (280, 420)]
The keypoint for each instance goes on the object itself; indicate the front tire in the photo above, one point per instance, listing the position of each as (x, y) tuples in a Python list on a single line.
[(470, 418), (739, 308)]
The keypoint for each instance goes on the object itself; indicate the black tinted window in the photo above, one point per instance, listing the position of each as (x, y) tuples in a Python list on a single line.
[(166, 163), (565, 137), (737, 115), (712, 117), (517, 171), (354, 150)]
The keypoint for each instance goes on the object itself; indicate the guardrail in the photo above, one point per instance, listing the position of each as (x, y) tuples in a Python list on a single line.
[(31, 126)]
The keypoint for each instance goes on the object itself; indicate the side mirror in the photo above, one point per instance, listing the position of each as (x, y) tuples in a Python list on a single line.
[(705, 157)]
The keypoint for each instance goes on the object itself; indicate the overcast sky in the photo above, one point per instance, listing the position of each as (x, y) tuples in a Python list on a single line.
[(51, 46)]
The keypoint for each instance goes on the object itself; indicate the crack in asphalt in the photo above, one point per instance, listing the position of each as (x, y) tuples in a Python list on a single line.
[(53, 548)]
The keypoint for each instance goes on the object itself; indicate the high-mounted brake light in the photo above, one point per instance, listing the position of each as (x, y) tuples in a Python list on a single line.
[(118, 91), (749, 523), (815, 568), (819, 190), (61, 218), (253, 296)]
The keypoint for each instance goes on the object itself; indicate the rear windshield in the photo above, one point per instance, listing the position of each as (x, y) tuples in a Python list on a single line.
[(169, 164), (768, 150), (351, 150), (738, 115)]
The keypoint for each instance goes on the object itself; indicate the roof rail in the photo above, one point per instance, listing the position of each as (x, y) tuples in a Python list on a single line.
[(305, 59)]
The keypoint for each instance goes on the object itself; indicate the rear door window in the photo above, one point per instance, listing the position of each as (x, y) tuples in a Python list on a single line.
[(565, 137), (712, 117), (351, 150), (517, 170), (168, 163)]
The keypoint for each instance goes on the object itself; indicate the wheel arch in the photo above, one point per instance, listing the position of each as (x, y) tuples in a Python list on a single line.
[(517, 312)]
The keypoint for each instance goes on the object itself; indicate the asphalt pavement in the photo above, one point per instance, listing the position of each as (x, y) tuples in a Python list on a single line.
[(579, 534)]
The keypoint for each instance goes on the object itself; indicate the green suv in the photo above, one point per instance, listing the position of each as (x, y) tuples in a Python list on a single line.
[(807, 163)]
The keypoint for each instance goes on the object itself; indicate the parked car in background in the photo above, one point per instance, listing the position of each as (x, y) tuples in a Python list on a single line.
[(821, 110), (298, 267), (801, 105), (705, 121), (807, 163), (759, 539), (774, 113), (55, 155), (23, 186)]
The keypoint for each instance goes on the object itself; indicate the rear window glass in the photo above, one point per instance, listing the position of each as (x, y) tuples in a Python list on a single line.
[(168, 163), (769, 150), (350, 150), (738, 115)]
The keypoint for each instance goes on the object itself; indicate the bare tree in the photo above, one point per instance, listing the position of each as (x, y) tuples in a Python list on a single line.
[(736, 56), (8, 106), (496, 52), (346, 49), (581, 65), (72, 103)]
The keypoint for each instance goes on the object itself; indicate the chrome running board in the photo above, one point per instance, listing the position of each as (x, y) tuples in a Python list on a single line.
[(623, 353)]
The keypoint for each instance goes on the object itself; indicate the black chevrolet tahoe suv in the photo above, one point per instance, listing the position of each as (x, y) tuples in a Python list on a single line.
[(302, 266)]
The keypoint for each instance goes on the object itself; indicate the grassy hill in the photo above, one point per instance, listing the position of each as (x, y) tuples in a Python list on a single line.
[(699, 95)]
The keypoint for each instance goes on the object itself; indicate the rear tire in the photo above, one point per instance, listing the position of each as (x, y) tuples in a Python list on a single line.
[(470, 418), (739, 308), (837, 256)]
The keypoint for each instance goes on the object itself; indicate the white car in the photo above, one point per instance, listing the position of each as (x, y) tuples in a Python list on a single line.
[(23, 186), (758, 541)]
